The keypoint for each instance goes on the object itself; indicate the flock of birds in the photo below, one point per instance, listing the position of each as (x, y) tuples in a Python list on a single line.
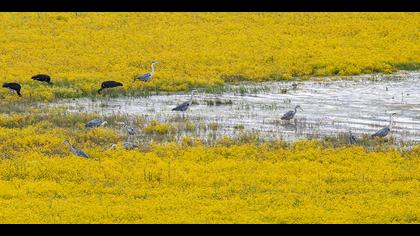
[(16, 87)]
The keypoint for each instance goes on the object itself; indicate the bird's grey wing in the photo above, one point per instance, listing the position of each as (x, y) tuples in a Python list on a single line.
[(382, 132), (81, 153), (353, 139), (131, 131), (181, 107), (93, 123), (144, 77), (287, 115)]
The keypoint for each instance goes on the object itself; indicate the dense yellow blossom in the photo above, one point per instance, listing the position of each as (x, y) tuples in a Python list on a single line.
[(171, 177), (188, 182), (197, 49)]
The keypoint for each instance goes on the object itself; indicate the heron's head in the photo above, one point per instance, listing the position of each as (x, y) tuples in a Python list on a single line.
[(67, 141), (104, 123), (298, 106), (394, 114), (155, 62)]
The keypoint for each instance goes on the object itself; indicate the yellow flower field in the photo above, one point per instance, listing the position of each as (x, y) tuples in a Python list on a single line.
[(198, 49), (189, 182), (173, 176)]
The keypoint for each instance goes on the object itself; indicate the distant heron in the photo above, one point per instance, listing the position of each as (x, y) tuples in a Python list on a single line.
[(95, 123), (76, 151), (352, 138), (130, 130), (184, 106), (148, 76), (42, 78), (290, 114), (385, 131), (109, 84), (14, 87), (128, 145)]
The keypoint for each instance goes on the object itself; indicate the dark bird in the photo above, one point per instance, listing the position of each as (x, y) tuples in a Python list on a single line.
[(385, 131), (109, 84), (184, 106), (148, 76), (290, 114), (14, 87), (42, 78), (352, 138)]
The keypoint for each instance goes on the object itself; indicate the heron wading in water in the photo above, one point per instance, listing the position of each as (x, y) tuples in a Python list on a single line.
[(386, 130), (76, 151), (184, 106), (291, 114), (148, 76)]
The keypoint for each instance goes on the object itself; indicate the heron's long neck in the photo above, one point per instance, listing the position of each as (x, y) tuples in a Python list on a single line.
[(153, 69), (295, 109), (390, 121), (191, 98)]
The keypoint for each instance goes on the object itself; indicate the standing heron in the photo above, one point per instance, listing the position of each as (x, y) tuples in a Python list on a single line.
[(148, 76), (14, 87), (385, 131), (95, 123), (130, 130), (109, 84), (290, 114), (184, 106), (76, 151), (42, 78), (128, 145), (352, 138)]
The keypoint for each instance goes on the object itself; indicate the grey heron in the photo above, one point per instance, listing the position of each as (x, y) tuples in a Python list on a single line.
[(95, 123), (290, 114), (148, 76), (352, 138), (385, 131), (184, 106), (128, 145), (130, 130), (76, 151)]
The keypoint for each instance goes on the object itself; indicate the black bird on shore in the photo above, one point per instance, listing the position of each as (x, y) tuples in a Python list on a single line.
[(42, 78), (109, 84), (15, 87)]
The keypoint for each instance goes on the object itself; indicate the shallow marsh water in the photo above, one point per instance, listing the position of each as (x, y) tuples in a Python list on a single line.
[(361, 104)]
